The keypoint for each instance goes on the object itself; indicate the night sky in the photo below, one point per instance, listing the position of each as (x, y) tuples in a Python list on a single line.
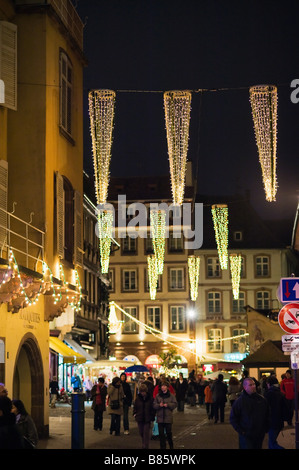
[(141, 48)]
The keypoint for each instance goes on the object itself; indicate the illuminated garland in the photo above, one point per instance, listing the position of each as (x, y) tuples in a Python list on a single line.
[(235, 268), (158, 230), (57, 296), (101, 113), (114, 324), (193, 266), (263, 99), (105, 224), (152, 275), (13, 262), (220, 220), (177, 107), (71, 300)]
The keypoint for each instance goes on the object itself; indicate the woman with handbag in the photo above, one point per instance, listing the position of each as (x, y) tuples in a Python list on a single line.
[(115, 404)]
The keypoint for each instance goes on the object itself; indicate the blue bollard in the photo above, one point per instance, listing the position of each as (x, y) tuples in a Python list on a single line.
[(78, 420)]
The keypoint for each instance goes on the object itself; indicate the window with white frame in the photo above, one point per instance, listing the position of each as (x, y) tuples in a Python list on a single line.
[(176, 279), (153, 314), (129, 325), (177, 318), (129, 280), (214, 302), (159, 282), (215, 340), (213, 267), (239, 304), (262, 266), (239, 342), (66, 93), (263, 300)]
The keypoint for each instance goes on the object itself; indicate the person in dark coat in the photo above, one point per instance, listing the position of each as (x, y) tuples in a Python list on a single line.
[(219, 392), (25, 424), (54, 391), (127, 402), (10, 436), (181, 386), (144, 413), (279, 411), (250, 416), (98, 395), (149, 382), (164, 404)]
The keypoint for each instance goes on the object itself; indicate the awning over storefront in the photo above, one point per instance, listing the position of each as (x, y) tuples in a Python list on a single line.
[(69, 355), (74, 345)]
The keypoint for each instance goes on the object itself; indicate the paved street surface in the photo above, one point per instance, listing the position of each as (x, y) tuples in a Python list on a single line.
[(191, 430)]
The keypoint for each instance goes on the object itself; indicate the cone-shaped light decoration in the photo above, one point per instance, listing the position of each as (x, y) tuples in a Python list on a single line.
[(105, 226), (157, 219), (177, 107), (263, 99), (101, 113), (235, 269), (114, 324), (220, 219), (152, 275), (193, 267)]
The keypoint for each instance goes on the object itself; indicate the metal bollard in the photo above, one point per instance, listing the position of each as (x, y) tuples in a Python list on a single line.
[(78, 420)]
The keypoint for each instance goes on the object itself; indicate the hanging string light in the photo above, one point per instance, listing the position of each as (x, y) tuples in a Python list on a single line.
[(177, 107), (263, 99), (105, 225), (114, 324), (152, 275), (235, 269), (220, 220), (158, 230), (193, 267), (101, 113)]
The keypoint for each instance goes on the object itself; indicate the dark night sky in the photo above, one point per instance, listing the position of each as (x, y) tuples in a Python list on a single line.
[(159, 45)]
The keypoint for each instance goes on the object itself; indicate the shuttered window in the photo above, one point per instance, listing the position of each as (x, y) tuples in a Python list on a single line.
[(66, 93), (78, 253), (8, 63), (59, 215)]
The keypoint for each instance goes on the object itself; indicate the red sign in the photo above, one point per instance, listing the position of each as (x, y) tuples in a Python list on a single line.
[(288, 318)]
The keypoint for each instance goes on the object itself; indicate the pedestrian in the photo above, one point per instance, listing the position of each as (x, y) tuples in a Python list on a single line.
[(157, 388), (115, 404), (209, 399), (149, 382), (54, 391), (164, 404), (287, 386), (127, 401), (76, 383), (87, 384), (144, 414), (10, 436), (181, 386), (219, 392), (279, 411), (250, 416), (98, 396), (191, 391), (201, 385), (3, 390), (25, 424), (233, 389)]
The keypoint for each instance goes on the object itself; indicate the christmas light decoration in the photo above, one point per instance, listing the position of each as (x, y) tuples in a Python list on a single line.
[(114, 324), (73, 300), (235, 269), (158, 230), (220, 220), (28, 300), (105, 225), (263, 99), (177, 107), (101, 113), (193, 266), (152, 275)]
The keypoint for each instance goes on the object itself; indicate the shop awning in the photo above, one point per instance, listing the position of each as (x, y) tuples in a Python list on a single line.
[(74, 345), (69, 355)]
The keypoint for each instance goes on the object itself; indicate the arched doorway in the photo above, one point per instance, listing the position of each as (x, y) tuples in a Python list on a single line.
[(28, 381)]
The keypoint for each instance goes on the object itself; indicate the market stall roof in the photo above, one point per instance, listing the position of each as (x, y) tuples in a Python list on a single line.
[(269, 354), (69, 355), (74, 345), (107, 363)]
